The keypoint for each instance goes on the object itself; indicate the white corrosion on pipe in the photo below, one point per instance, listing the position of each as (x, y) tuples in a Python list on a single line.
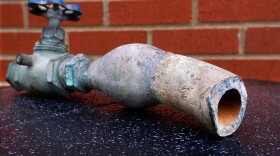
[(141, 76)]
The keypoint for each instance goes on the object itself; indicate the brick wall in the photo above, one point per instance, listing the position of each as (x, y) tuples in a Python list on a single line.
[(242, 36)]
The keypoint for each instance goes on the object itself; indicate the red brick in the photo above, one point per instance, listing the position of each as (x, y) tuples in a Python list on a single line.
[(11, 15), (92, 15), (197, 41), (3, 69), (101, 42), (263, 40), (17, 42), (150, 12), (238, 10), (252, 69)]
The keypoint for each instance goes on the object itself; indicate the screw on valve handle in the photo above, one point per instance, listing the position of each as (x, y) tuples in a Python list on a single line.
[(38, 73), (55, 10)]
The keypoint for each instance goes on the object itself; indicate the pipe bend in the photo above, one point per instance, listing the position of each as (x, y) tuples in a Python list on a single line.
[(141, 76)]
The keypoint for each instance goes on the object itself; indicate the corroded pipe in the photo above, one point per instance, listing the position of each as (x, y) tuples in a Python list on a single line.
[(141, 76)]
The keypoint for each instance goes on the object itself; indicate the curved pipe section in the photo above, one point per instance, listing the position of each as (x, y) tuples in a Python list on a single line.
[(141, 76)]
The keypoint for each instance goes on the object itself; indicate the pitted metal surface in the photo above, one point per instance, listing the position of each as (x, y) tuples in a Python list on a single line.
[(93, 124)]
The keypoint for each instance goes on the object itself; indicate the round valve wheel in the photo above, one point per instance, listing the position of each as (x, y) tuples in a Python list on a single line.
[(70, 12)]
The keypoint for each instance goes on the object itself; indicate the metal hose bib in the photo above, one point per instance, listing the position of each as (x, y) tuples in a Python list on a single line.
[(39, 72), (135, 75)]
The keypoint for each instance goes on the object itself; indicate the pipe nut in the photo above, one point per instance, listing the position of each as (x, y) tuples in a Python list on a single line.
[(53, 32), (74, 72), (53, 77)]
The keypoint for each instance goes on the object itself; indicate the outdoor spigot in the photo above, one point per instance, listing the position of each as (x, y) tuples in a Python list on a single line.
[(39, 72)]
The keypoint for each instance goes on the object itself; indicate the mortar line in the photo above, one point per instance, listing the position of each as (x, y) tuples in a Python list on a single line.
[(66, 40), (82, 1), (4, 84), (10, 2), (24, 15), (18, 1), (194, 12), (224, 57), (237, 57), (181, 26), (241, 41), (13, 30), (202, 56), (150, 37), (106, 15), (150, 27), (7, 56)]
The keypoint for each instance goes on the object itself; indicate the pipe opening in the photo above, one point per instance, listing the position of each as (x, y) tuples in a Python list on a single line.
[(229, 107)]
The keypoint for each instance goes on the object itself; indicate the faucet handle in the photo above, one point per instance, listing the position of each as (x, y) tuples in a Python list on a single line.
[(56, 9)]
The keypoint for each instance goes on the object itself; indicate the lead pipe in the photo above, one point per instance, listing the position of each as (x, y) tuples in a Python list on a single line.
[(141, 76)]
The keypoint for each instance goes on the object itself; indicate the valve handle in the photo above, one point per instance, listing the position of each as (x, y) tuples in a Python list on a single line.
[(55, 9)]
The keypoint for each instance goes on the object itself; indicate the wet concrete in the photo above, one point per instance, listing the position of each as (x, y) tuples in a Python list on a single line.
[(93, 124)]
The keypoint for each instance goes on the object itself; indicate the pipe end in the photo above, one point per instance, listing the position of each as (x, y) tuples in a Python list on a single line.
[(227, 105)]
